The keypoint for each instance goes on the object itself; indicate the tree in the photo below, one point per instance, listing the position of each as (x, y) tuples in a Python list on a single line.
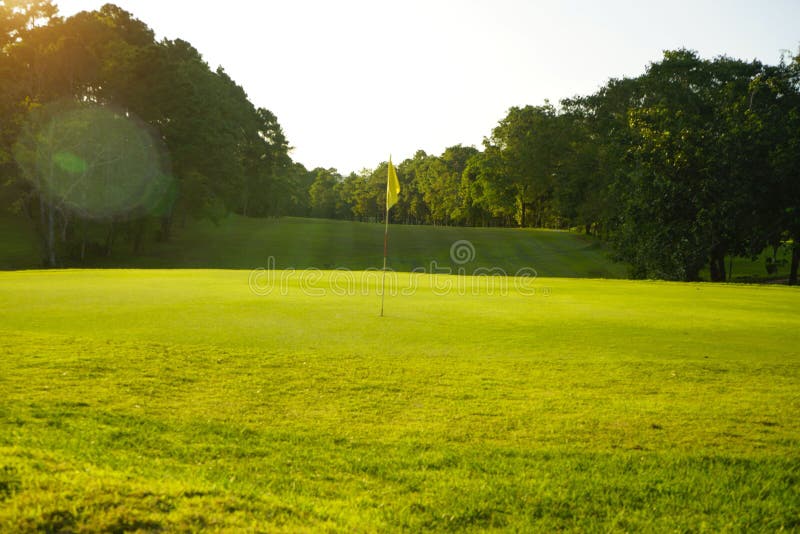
[(527, 145), (19, 17), (411, 206), (774, 113), (492, 191), (455, 159), (224, 154), (324, 194), (682, 197), (581, 184)]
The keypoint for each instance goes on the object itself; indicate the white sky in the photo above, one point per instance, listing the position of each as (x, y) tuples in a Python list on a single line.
[(352, 81)]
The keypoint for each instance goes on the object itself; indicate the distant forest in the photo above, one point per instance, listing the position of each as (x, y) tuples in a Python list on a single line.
[(692, 161)]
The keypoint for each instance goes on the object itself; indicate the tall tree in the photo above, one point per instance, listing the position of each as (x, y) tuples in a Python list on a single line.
[(681, 198), (324, 193), (528, 145), (774, 113), (224, 154)]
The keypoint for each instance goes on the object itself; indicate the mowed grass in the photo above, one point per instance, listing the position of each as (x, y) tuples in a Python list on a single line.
[(246, 243), (182, 400), (243, 243)]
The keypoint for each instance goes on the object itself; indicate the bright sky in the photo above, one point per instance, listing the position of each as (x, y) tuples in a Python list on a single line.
[(353, 81)]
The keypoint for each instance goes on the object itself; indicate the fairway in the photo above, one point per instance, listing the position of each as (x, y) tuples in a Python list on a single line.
[(245, 243), (184, 400), (476, 299), (237, 242)]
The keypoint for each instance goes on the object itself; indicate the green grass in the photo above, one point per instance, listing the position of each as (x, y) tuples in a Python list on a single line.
[(246, 243), (181, 400), (325, 244)]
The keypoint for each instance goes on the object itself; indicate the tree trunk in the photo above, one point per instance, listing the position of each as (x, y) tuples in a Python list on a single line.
[(795, 262), (42, 230), (51, 246), (138, 235), (166, 228), (712, 264), (65, 226), (730, 269), (691, 274), (721, 268), (110, 240), (717, 263)]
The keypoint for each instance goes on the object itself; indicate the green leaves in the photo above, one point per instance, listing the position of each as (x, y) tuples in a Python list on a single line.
[(92, 161), (223, 154)]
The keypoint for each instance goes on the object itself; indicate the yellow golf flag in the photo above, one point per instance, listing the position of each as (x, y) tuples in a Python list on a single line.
[(392, 187)]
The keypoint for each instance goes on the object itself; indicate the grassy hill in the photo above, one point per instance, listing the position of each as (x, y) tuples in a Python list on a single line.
[(246, 243), (325, 244), (181, 400)]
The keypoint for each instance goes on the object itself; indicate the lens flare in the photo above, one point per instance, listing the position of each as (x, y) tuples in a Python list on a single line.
[(70, 163), (94, 160)]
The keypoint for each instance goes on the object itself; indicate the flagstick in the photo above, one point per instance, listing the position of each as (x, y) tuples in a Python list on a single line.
[(385, 247)]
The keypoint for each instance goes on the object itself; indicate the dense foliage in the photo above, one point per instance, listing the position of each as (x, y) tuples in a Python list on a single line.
[(216, 152), (689, 163)]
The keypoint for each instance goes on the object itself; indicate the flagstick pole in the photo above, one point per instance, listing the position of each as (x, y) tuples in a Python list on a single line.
[(385, 248)]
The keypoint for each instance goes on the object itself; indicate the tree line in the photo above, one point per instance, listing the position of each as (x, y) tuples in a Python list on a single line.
[(222, 154), (692, 161), (678, 168)]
